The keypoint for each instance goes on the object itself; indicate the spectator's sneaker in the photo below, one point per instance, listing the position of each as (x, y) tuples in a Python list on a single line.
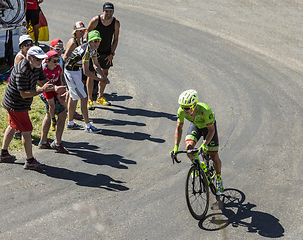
[(90, 105), (92, 129), (78, 116), (7, 158), (75, 126), (44, 145), (220, 188), (34, 165), (59, 148), (103, 101), (53, 125)]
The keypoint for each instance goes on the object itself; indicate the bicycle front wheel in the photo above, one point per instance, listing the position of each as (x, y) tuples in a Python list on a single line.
[(10, 11), (197, 193)]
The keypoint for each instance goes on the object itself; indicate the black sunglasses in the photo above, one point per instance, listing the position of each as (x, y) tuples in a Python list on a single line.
[(186, 108), (37, 59), (55, 61), (28, 45)]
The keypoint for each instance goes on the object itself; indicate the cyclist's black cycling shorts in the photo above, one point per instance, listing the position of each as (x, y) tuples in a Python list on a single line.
[(194, 134)]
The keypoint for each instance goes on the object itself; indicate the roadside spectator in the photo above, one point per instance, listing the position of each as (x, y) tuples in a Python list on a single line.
[(57, 45), (73, 76), (53, 71), (32, 16), (17, 101), (25, 42), (108, 27), (75, 41)]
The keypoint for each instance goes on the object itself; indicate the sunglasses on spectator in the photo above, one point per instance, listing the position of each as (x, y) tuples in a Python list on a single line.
[(97, 40), (28, 44), (58, 49), (82, 30), (55, 60), (37, 59)]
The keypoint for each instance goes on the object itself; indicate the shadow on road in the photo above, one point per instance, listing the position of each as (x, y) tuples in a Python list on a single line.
[(238, 214), (116, 122), (85, 179), (139, 136), (138, 112), (93, 157)]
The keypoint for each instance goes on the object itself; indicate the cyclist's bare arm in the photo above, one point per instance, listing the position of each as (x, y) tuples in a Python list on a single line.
[(178, 134)]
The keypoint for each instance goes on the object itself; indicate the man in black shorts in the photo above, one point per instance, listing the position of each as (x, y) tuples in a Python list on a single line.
[(32, 16), (108, 26)]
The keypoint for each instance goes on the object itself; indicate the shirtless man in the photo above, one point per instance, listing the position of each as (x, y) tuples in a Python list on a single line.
[(108, 26)]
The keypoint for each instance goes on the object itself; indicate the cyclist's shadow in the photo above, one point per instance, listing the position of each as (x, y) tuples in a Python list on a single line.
[(236, 213)]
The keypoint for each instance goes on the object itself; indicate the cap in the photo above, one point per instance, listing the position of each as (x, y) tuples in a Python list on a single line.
[(37, 52), (56, 42), (93, 35), (24, 38), (51, 54), (108, 6), (79, 26)]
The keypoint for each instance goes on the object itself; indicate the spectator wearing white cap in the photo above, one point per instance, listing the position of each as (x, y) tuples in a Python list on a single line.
[(17, 101), (25, 42)]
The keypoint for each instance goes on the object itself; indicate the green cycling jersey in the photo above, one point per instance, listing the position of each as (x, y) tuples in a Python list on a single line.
[(204, 118)]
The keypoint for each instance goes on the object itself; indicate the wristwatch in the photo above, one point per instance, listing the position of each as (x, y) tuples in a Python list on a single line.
[(112, 53)]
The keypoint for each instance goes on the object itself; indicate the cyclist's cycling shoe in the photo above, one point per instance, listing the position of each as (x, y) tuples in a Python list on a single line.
[(220, 188)]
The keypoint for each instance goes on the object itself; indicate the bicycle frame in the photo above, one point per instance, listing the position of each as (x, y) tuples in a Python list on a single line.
[(210, 171)]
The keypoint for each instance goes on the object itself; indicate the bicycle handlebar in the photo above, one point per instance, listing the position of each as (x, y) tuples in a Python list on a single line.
[(174, 158)]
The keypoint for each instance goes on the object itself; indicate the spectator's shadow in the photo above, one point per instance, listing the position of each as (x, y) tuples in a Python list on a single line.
[(116, 122), (114, 97), (85, 179), (137, 112), (139, 136), (93, 157), (112, 160), (240, 215)]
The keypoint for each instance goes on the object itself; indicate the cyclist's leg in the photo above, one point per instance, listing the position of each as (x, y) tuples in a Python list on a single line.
[(213, 148), (192, 137)]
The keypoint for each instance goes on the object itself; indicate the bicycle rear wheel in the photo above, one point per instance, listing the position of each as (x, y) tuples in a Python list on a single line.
[(197, 193), (11, 11)]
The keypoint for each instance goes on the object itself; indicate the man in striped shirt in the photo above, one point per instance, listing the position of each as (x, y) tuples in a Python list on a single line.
[(17, 101)]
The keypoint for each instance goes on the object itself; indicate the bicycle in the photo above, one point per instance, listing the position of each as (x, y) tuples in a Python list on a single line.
[(12, 11), (200, 177)]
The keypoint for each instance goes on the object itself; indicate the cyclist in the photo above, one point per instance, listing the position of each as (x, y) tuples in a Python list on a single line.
[(203, 123)]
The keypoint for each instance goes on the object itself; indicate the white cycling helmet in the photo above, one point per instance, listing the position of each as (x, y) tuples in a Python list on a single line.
[(188, 98)]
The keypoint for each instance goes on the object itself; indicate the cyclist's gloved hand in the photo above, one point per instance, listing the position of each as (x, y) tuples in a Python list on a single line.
[(173, 152), (203, 148)]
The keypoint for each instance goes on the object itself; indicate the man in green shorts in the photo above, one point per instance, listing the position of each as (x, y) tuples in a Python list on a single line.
[(203, 123)]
